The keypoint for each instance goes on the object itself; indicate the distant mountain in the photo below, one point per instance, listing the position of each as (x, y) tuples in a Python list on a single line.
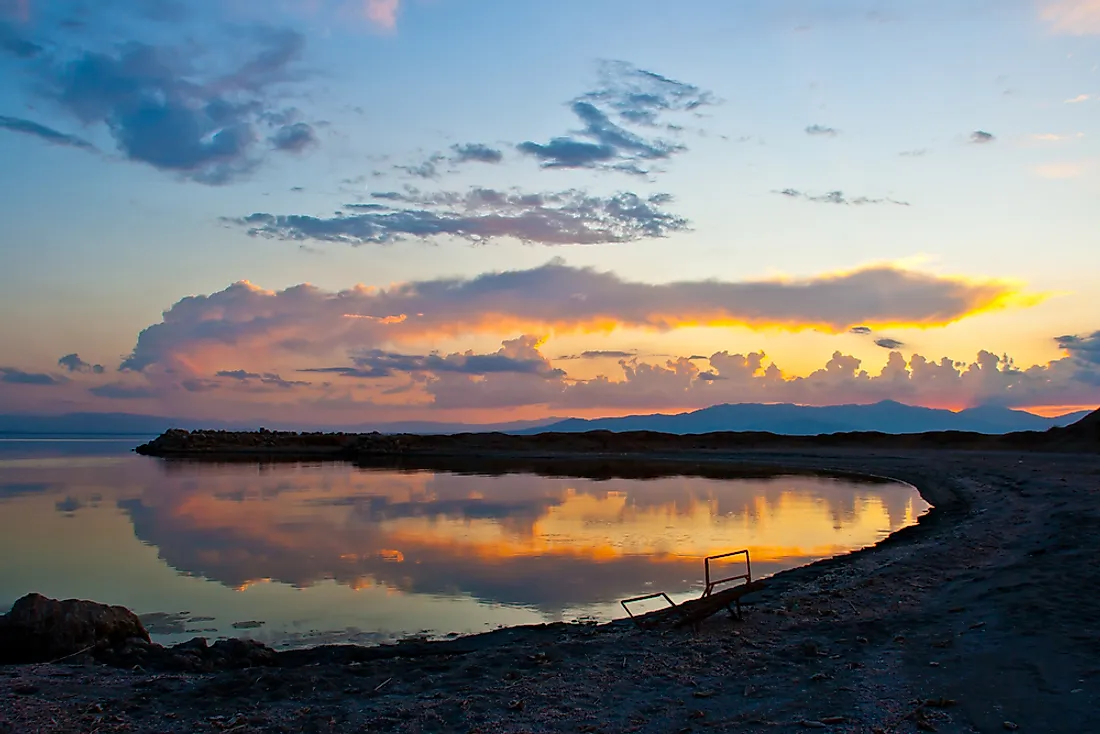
[(136, 424), (887, 416)]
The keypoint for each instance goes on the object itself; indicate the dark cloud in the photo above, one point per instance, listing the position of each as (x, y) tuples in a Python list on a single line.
[(429, 168), (822, 131), (294, 138), (562, 218), (161, 110), (365, 374), (11, 42), (434, 165), (14, 376), (73, 363), (476, 152), (887, 343), (981, 136), (837, 197), (633, 97), (568, 153), (860, 330), (122, 391), (28, 127), (1085, 349), (518, 356), (239, 375), (262, 378)]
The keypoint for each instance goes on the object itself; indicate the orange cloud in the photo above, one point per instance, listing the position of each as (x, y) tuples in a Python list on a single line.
[(554, 298)]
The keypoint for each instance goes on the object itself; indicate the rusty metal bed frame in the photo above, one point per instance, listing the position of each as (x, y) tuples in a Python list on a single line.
[(694, 611)]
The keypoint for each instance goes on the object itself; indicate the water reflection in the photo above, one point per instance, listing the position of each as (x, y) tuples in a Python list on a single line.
[(468, 547)]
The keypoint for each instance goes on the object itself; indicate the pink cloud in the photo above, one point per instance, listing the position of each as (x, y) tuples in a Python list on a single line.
[(1072, 17), (383, 13)]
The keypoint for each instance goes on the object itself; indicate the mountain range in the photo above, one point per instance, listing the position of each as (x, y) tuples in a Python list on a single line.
[(887, 416)]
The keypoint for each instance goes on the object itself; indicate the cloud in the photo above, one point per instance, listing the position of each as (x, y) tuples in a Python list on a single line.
[(837, 197), (980, 137), (11, 42), (459, 154), (13, 376), (123, 391), (1072, 17), (518, 356), (887, 343), (1055, 137), (480, 215), (600, 354), (915, 153), (73, 363), (1084, 349), (1071, 169), (429, 168), (168, 108), (27, 127), (733, 378), (383, 13), (860, 330), (1079, 99), (265, 378), (476, 152), (627, 97), (822, 131), (294, 138), (199, 333)]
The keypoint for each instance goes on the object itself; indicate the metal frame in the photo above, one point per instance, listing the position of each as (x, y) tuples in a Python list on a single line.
[(644, 597), (693, 611), (708, 589)]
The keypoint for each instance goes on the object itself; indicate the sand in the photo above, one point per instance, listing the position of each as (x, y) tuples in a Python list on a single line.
[(984, 617)]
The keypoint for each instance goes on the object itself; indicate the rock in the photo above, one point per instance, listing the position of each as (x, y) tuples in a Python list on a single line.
[(237, 653), (39, 629)]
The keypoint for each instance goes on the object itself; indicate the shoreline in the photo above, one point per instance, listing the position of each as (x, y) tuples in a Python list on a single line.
[(812, 639)]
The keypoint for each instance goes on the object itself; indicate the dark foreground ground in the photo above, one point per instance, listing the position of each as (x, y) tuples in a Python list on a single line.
[(985, 617)]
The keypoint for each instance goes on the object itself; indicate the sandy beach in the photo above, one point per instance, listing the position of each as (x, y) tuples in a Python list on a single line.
[(983, 617)]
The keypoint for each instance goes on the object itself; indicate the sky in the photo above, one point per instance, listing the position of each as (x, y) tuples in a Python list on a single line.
[(342, 211)]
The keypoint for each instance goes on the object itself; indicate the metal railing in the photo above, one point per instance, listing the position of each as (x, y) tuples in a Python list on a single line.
[(645, 597), (708, 589)]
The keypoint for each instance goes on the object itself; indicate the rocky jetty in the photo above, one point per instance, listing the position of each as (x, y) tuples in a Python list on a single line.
[(369, 448)]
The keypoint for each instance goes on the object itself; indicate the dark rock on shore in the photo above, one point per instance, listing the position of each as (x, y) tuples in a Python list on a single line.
[(38, 629), (41, 630)]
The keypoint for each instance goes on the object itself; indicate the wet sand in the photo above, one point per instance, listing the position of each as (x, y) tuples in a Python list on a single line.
[(983, 617)]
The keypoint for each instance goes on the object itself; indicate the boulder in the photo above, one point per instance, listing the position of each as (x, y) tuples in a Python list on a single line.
[(39, 629)]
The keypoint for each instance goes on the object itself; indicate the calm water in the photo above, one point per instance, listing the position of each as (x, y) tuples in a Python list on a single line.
[(327, 552)]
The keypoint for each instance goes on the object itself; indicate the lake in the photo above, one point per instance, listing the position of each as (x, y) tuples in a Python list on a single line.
[(299, 554)]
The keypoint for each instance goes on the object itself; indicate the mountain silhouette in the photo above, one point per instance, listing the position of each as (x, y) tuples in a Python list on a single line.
[(887, 416)]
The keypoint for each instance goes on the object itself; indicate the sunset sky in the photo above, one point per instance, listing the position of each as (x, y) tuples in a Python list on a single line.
[(339, 211)]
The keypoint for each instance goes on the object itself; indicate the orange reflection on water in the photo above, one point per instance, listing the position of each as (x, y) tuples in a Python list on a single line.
[(602, 528)]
